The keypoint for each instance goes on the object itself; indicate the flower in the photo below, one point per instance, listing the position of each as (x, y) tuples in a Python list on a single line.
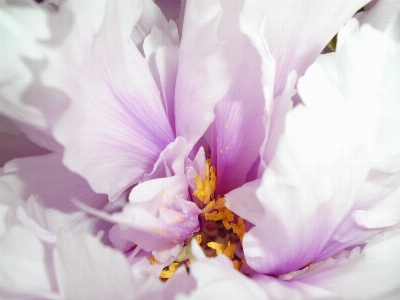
[(195, 138)]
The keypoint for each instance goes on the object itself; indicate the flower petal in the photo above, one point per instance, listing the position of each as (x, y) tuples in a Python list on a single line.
[(217, 277), (297, 32), (243, 201), (23, 265), (205, 69), (47, 177), (86, 269), (379, 13), (116, 127)]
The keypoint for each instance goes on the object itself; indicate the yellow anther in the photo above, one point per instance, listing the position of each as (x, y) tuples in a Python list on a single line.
[(230, 250), (209, 207), (205, 189), (237, 264), (219, 248), (167, 274), (199, 239), (153, 260), (214, 216), (220, 203)]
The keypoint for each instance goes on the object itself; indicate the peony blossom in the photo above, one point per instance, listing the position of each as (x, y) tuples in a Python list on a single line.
[(214, 154)]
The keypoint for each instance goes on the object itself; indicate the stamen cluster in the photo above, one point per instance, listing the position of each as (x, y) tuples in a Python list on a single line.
[(221, 231)]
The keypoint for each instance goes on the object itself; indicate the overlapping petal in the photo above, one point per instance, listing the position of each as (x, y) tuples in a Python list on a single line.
[(319, 161), (115, 127), (297, 31)]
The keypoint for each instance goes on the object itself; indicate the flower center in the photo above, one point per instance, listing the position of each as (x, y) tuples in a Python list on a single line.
[(221, 231)]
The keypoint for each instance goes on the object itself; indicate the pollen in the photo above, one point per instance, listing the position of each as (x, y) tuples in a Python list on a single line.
[(169, 271), (199, 239), (221, 230), (219, 248), (153, 260), (206, 188)]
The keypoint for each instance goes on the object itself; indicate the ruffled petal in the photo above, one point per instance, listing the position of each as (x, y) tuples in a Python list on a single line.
[(333, 144), (116, 126), (205, 68), (369, 275), (23, 96), (46, 177), (377, 204), (297, 32)]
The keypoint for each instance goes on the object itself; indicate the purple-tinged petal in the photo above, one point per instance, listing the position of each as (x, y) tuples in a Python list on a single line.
[(297, 32), (46, 177), (170, 8), (379, 14), (116, 126), (158, 217), (86, 269), (152, 16), (171, 161), (373, 274), (205, 68)]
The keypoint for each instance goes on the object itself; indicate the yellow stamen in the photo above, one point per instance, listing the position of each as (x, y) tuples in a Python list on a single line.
[(214, 216), (220, 203), (239, 229), (199, 239), (209, 207), (219, 248), (153, 260), (205, 189), (230, 250), (237, 264), (167, 274)]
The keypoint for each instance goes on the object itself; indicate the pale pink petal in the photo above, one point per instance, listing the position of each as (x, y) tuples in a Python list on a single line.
[(238, 130), (297, 32), (378, 201), (116, 126), (276, 122), (23, 96), (86, 269), (46, 177), (171, 161), (243, 201), (205, 69), (324, 157), (373, 274), (23, 266), (379, 14), (151, 16)]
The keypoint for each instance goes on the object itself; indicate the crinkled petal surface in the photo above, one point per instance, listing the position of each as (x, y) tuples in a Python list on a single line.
[(321, 162)]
